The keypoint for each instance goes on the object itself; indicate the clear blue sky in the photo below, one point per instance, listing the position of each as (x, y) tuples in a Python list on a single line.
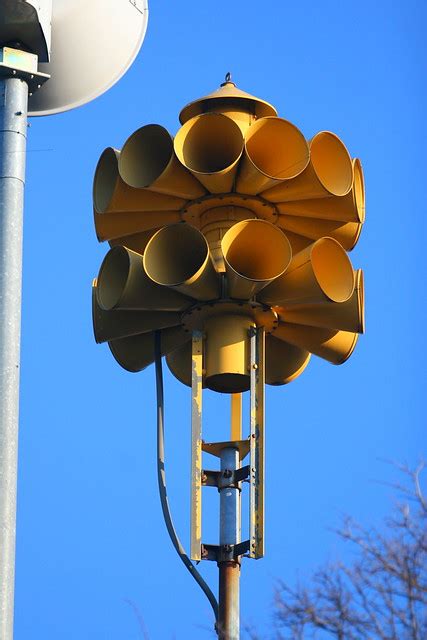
[(91, 538)]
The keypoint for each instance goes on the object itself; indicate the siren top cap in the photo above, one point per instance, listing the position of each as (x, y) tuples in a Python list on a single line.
[(229, 94)]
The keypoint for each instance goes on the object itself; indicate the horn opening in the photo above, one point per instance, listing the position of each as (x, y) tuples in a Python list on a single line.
[(105, 179), (112, 278), (178, 256), (255, 253), (329, 259), (145, 155), (332, 163)]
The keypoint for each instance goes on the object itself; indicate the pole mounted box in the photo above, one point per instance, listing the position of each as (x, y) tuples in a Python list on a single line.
[(26, 24)]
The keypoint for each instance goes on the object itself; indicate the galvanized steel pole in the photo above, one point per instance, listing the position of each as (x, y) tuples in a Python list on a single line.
[(13, 138), (230, 533)]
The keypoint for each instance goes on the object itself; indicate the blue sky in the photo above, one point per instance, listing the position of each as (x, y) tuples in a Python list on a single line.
[(91, 546)]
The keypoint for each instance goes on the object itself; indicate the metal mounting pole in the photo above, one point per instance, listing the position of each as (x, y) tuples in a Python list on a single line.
[(13, 138), (229, 535)]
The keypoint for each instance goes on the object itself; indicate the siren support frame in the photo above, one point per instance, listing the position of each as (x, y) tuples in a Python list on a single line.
[(228, 481)]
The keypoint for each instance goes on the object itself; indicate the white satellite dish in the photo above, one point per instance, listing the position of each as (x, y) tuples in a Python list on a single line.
[(94, 42)]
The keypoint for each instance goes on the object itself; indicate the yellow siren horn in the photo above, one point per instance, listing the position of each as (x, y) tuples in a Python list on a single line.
[(260, 168), (255, 253), (110, 226), (210, 147), (179, 363), (321, 272), (329, 173), (123, 284), (331, 345), (346, 233), (112, 194), (109, 325), (347, 208), (148, 161), (178, 257), (135, 353), (283, 362), (346, 316)]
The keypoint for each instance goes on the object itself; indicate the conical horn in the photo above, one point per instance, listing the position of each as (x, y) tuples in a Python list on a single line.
[(135, 353), (334, 346), (109, 325), (110, 193), (345, 316), (319, 273), (348, 208), (283, 362), (136, 242), (227, 361), (210, 146), (329, 173), (178, 257), (148, 161), (297, 242), (275, 150), (346, 233), (119, 224), (255, 253), (179, 363), (123, 284)]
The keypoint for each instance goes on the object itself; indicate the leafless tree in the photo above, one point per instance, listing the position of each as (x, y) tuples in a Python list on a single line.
[(382, 594)]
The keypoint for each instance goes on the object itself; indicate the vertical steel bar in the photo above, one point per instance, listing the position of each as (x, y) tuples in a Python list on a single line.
[(256, 500), (236, 416), (196, 447), (229, 534), (13, 138)]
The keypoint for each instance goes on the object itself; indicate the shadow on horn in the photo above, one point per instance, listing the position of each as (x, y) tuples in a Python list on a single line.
[(255, 253), (123, 284), (148, 161)]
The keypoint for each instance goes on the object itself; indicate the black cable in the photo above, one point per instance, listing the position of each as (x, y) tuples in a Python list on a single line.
[(161, 476)]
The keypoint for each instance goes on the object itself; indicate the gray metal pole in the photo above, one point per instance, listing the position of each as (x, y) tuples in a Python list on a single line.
[(13, 138), (229, 534)]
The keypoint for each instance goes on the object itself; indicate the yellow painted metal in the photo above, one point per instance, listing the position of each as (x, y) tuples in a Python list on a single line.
[(148, 161), (178, 257), (240, 106), (348, 208), (261, 315), (275, 150), (111, 193), (319, 273), (195, 212), (297, 242), (124, 284), (331, 345), (135, 353), (120, 224), (329, 173), (136, 242), (346, 233), (179, 363), (346, 316), (109, 325), (236, 416), (196, 447), (210, 147), (215, 448), (227, 353), (214, 224), (257, 456), (283, 362), (255, 253)]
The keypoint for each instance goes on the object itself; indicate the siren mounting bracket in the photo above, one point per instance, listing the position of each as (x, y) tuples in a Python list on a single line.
[(23, 65)]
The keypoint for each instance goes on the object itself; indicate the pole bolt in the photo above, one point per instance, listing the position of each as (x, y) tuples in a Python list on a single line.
[(227, 473)]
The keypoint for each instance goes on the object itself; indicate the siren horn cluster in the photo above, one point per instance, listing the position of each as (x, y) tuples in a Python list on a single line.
[(231, 241)]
